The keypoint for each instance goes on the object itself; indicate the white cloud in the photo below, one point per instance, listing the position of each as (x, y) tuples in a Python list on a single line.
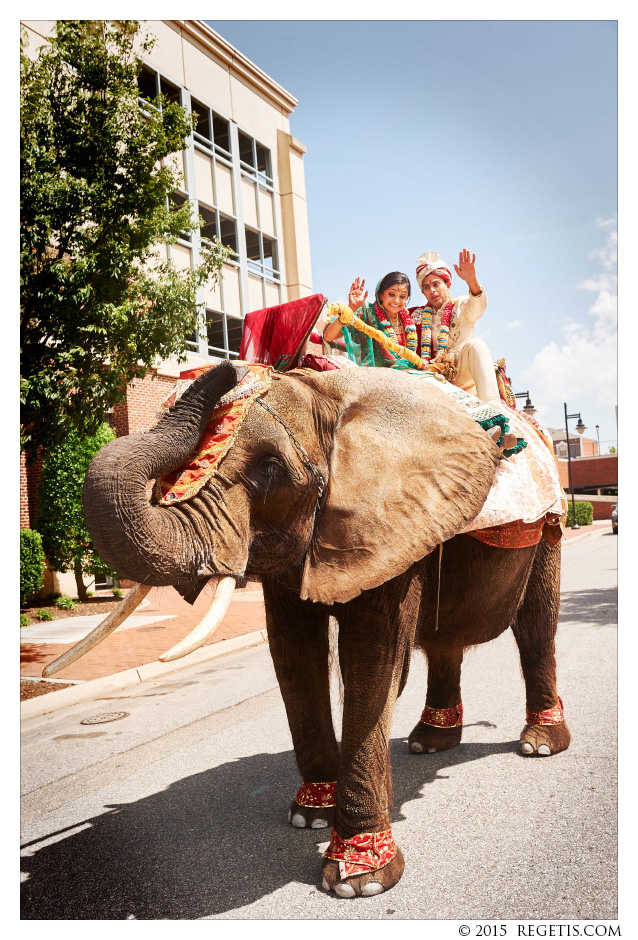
[(581, 366), (512, 325)]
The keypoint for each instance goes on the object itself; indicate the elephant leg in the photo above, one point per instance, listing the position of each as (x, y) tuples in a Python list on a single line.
[(376, 633), (441, 723), (545, 731), (298, 638)]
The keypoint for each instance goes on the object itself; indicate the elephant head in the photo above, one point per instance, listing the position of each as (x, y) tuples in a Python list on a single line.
[(341, 480)]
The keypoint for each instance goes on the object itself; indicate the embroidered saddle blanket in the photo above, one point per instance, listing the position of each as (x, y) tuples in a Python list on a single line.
[(526, 489)]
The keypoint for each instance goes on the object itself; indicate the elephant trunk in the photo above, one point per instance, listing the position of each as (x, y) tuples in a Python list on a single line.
[(142, 541)]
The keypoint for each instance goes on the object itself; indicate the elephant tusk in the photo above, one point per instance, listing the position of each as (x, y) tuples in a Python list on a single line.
[(207, 625), (134, 597)]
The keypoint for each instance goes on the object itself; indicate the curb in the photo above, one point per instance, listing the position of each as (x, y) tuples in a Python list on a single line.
[(43, 704), (598, 530)]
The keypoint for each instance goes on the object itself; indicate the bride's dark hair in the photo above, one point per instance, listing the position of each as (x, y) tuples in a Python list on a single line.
[(395, 277)]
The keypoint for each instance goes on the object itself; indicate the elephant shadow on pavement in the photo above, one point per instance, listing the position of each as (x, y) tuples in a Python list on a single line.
[(209, 843), (594, 606)]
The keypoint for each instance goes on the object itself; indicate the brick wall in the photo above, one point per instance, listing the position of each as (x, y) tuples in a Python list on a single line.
[(29, 482), (590, 471), (143, 398), (25, 515), (602, 505)]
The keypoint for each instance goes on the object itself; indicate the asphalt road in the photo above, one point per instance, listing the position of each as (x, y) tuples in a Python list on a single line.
[(178, 810)]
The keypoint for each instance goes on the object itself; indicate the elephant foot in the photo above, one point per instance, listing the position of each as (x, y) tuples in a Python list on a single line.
[(366, 884), (438, 730), (544, 740), (313, 806), (424, 739), (310, 817), (545, 732)]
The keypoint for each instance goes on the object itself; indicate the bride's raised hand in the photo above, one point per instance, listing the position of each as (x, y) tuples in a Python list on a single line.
[(356, 297)]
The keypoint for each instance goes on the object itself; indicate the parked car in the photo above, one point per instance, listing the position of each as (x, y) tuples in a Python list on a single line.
[(614, 519)]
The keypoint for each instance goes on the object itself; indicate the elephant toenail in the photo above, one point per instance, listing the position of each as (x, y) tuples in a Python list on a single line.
[(416, 748), (319, 824), (431, 750), (325, 885), (544, 750), (372, 887), (527, 748), (344, 890), (298, 821)]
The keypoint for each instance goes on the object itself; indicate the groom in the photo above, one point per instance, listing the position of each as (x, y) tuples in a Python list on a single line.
[(446, 325)]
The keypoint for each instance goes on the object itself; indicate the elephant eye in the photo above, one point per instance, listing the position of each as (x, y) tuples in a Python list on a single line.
[(268, 473)]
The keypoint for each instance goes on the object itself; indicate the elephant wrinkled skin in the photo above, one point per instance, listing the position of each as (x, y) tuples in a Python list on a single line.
[(405, 470)]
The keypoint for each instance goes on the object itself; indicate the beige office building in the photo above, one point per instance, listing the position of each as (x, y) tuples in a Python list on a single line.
[(242, 170)]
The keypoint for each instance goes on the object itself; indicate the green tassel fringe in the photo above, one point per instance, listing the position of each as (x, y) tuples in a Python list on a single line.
[(520, 444), (499, 420)]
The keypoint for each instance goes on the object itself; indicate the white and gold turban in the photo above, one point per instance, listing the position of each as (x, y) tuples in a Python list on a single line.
[(430, 262)]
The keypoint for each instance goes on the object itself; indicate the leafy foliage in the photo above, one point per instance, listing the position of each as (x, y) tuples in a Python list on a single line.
[(65, 538), (31, 564), (44, 615), (584, 513), (64, 602), (24, 620), (99, 306)]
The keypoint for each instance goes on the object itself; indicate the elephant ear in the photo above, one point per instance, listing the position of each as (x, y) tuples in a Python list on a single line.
[(409, 469)]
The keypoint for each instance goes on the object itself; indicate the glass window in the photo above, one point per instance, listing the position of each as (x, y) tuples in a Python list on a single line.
[(191, 341), (228, 233), (202, 117), (147, 84), (253, 248), (263, 161), (234, 328), (215, 329), (209, 223), (169, 91), (246, 150), (221, 130), (270, 253)]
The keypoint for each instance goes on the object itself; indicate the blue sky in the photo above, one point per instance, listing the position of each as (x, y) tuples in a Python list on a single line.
[(497, 136)]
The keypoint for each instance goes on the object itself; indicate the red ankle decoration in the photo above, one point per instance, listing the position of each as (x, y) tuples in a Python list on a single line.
[(443, 717), (366, 852), (317, 795), (551, 716)]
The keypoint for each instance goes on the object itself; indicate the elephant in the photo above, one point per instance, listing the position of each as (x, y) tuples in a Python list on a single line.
[(346, 493)]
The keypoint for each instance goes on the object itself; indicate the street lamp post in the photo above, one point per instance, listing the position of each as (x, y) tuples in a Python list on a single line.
[(528, 407), (580, 427), (598, 437)]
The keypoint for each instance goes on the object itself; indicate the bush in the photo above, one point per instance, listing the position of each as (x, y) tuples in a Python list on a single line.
[(65, 603), (65, 538), (584, 514), (24, 620), (117, 592), (31, 564), (44, 615)]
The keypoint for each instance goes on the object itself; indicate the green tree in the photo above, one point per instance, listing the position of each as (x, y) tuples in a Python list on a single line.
[(65, 538), (612, 450), (99, 305)]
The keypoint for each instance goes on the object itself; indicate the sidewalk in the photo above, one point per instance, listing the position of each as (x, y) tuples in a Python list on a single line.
[(136, 646)]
